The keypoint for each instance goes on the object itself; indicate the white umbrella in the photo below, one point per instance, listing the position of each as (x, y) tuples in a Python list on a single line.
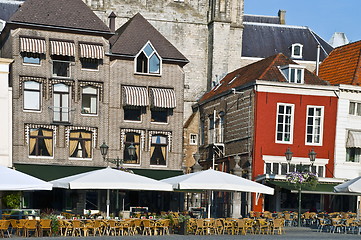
[(216, 181), (12, 180), (109, 178), (352, 186)]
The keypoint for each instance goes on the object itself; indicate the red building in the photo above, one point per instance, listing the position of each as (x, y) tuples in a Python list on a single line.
[(259, 111)]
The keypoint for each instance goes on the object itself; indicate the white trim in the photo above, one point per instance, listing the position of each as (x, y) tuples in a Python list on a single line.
[(296, 88), (294, 67), (190, 139), (321, 126), (295, 160), (155, 52), (274, 25), (293, 50), (292, 123)]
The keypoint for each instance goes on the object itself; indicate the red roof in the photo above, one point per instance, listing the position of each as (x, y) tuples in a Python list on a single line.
[(343, 65), (266, 69)]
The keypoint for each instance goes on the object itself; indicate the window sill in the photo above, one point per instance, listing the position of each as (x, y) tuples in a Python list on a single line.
[(79, 159), (41, 157), (160, 166), (32, 64), (133, 121), (148, 74), (161, 123), (89, 114), (90, 70), (32, 111)]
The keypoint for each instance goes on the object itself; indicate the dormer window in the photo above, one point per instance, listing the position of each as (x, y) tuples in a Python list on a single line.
[(148, 61), (293, 73), (296, 50)]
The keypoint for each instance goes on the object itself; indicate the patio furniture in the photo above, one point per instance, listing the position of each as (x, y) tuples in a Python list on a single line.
[(31, 226), (45, 225), (4, 228)]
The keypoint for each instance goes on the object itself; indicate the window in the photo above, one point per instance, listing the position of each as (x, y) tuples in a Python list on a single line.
[(159, 115), (90, 63), (40, 142), (219, 124), (353, 154), (89, 100), (158, 150), (31, 58), (132, 113), (210, 129), (80, 144), (293, 73), (284, 132), (61, 66), (32, 95), (193, 139), (61, 108), (296, 50), (148, 60), (355, 109), (314, 125), (132, 138)]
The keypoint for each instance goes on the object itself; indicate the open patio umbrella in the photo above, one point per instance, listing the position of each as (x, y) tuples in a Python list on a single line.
[(13, 180), (109, 178), (351, 186), (216, 181)]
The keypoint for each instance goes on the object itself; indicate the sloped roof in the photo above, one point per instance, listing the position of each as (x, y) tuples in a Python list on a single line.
[(134, 34), (343, 66), (73, 14), (7, 8), (262, 40), (266, 69), (261, 19)]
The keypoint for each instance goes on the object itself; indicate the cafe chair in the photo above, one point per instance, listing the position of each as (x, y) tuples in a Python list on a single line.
[(113, 228), (200, 227), (147, 228), (31, 226), (77, 228), (45, 225), (277, 226), (4, 228)]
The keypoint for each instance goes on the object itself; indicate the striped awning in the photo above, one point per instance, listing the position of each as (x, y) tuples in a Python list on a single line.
[(32, 45), (163, 98), (91, 51), (62, 48), (353, 139), (135, 96)]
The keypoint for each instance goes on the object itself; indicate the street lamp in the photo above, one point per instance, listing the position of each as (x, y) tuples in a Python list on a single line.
[(312, 156), (104, 151)]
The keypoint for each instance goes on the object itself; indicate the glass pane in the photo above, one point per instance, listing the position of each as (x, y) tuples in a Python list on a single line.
[(31, 100), (60, 69), (56, 109), (154, 64), (284, 168), (275, 168), (281, 109), (90, 90), (93, 105), (288, 110), (358, 109), (292, 77), (320, 171), (157, 139), (32, 85), (148, 50), (352, 108), (318, 111), (65, 108), (296, 50), (32, 60), (61, 88), (299, 75), (268, 168), (311, 111)]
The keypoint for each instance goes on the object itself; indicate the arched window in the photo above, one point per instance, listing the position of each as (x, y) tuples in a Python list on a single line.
[(41, 142), (148, 60), (80, 144), (132, 138), (296, 50)]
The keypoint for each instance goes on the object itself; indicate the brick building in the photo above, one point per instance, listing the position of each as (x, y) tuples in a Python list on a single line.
[(77, 84)]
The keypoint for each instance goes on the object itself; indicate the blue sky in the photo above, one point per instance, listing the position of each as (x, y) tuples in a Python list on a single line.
[(323, 16)]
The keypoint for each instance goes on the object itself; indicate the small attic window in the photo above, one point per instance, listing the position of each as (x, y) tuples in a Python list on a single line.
[(293, 73), (296, 50), (148, 61)]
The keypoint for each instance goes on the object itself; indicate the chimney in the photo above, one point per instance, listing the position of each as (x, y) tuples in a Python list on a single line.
[(112, 17), (282, 16)]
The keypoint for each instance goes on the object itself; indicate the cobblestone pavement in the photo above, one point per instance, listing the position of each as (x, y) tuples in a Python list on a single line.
[(291, 233)]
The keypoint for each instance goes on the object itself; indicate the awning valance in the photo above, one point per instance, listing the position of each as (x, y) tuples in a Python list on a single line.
[(353, 139), (135, 96), (32, 45), (91, 51), (163, 98), (320, 188), (62, 48)]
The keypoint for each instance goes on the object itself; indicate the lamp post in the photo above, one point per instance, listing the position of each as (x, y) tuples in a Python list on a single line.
[(312, 156)]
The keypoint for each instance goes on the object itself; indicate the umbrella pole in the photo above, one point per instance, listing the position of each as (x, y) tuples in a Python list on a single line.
[(108, 202), (210, 199)]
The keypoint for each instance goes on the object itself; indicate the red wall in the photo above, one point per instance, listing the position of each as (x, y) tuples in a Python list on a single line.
[(265, 129)]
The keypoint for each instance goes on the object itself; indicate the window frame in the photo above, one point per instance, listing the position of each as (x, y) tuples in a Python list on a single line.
[(166, 145), (164, 111), (127, 108), (98, 63), (96, 95), (61, 94), (313, 127), (291, 123), (357, 157), (293, 48), (38, 138), (154, 52), (193, 139), (79, 142), (287, 73), (137, 146), (61, 60), (32, 90), (355, 111)]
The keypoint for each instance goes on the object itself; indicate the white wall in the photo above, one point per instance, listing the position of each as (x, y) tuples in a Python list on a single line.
[(6, 114), (345, 122)]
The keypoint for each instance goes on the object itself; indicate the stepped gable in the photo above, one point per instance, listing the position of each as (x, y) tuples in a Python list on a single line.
[(72, 14), (343, 66), (134, 34), (266, 69)]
